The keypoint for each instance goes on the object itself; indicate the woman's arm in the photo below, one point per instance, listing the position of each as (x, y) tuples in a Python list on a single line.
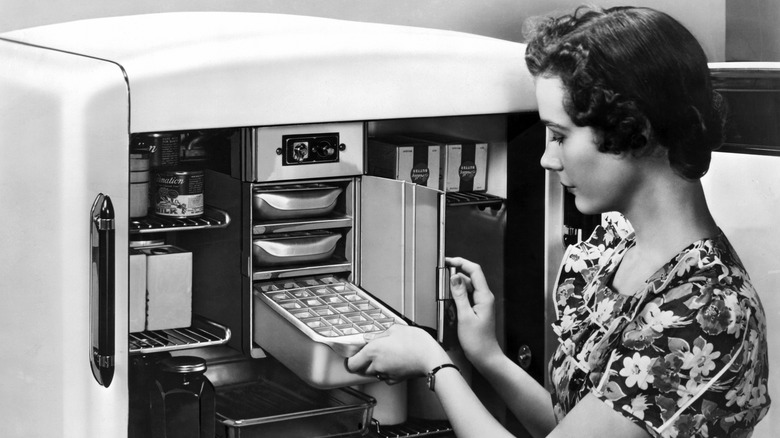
[(402, 352), (525, 397)]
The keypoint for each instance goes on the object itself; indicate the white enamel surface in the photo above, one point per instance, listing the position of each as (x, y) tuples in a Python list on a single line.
[(63, 140), (743, 192), (201, 70)]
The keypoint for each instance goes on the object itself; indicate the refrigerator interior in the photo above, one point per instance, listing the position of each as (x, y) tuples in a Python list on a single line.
[(743, 191)]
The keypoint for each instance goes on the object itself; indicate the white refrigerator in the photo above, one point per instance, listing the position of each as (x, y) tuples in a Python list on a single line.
[(71, 96)]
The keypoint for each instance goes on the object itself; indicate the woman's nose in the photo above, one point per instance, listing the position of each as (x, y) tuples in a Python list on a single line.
[(550, 159)]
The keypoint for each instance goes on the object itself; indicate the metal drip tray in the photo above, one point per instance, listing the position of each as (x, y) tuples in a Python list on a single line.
[(268, 409)]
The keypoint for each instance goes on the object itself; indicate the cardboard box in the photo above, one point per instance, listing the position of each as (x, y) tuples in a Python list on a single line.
[(463, 164), (168, 287), (137, 291), (406, 159)]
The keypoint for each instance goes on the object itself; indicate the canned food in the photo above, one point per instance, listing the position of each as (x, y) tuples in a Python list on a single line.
[(178, 193), (164, 149)]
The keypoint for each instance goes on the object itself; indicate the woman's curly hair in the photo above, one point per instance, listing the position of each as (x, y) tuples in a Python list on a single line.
[(638, 77)]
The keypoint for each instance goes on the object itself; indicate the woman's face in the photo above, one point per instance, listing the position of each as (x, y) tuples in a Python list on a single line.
[(600, 181)]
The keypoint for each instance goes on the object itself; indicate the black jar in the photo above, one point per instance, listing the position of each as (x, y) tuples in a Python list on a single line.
[(182, 400)]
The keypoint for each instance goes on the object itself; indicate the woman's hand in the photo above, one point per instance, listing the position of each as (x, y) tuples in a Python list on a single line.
[(398, 353), (476, 323)]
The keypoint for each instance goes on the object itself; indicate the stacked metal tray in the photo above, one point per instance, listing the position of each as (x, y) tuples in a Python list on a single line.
[(311, 324)]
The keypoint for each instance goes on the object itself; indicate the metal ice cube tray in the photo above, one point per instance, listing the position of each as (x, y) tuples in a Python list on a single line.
[(326, 307), (311, 324)]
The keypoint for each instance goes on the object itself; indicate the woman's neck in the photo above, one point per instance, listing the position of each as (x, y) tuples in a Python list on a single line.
[(666, 218)]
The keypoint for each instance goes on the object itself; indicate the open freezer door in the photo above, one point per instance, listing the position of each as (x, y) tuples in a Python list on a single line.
[(402, 249)]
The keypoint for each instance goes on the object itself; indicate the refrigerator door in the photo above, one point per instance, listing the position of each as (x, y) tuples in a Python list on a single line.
[(402, 248), (742, 191), (63, 141)]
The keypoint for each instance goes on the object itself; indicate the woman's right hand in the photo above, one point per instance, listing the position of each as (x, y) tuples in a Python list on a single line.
[(476, 323)]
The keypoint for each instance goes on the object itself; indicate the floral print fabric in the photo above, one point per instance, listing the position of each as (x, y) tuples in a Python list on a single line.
[(685, 356)]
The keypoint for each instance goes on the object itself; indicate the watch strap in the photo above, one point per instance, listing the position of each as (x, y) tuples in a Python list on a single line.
[(431, 379)]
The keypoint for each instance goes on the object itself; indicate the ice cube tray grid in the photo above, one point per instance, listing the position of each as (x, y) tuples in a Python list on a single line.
[(328, 306)]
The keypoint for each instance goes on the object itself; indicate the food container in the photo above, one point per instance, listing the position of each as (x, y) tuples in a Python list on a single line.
[(294, 248), (182, 400), (311, 324), (296, 201), (168, 287), (178, 193), (406, 159), (270, 409)]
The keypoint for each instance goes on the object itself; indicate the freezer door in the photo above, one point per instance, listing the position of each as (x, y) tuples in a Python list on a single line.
[(402, 248), (63, 141)]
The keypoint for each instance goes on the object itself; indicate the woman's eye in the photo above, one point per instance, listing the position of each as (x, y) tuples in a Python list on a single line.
[(557, 138)]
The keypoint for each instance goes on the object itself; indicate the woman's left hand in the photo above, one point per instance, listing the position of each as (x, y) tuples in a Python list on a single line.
[(397, 354)]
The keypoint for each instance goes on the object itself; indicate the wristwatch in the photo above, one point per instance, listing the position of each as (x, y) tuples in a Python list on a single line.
[(431, 379)]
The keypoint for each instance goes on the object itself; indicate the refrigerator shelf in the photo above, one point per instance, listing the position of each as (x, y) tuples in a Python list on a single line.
[(482, 200), (202, 333), (211, 218), (413, 427)]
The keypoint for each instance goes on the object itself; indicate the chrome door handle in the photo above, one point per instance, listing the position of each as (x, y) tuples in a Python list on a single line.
[(102, 290)]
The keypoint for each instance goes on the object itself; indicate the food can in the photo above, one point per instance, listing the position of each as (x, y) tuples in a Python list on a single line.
[(164, 149), (139, 180), (178, 193)]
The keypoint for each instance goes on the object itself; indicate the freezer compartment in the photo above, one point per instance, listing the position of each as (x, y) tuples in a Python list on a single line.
[(311, 324), (294, 248), (295, 201)]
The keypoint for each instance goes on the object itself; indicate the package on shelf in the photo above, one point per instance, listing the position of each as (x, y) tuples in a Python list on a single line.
[(406, 159), (168, 287), (463, 162), (137, 291)]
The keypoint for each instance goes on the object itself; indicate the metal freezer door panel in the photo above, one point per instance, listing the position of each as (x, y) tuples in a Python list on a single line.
[(402, 246), (63, 140)]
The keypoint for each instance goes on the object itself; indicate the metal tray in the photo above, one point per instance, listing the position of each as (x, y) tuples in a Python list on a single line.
[(294, 248), (295, 201), (311, 324), (266, 409)]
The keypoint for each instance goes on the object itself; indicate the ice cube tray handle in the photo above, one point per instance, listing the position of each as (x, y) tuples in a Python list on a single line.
[(102, 290)]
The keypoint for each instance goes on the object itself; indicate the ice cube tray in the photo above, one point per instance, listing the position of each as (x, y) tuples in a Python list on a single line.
[(327, 308)]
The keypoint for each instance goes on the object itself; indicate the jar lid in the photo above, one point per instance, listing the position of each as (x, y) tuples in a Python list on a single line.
[(183, 364)]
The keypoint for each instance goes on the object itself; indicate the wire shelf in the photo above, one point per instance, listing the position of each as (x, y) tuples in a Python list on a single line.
[(201, 333), (211, 218)]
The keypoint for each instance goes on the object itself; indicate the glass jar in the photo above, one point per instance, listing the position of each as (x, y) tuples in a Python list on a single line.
[(182, 400)]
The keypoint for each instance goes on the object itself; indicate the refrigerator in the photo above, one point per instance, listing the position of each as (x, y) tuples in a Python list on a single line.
[(742, 189), (74, 97)]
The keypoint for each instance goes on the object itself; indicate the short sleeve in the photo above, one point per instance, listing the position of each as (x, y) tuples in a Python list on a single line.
[(686, 364)]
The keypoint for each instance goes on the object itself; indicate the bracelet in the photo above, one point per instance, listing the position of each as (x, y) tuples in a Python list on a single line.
[(431, 380)]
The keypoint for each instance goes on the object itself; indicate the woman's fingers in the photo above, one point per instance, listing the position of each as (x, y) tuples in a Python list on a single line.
[(460, 295), (473, 270)]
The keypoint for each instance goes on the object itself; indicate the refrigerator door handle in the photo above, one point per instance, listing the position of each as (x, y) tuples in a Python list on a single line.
[(102, 290)]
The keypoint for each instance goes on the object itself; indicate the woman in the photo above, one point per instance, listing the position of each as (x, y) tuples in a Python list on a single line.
[(661, 332)]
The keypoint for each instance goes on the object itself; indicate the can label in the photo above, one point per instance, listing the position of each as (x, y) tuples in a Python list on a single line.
[(164, 149), (178, 193)]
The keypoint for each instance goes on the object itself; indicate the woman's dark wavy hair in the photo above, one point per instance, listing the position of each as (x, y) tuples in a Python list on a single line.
[(626, 69)]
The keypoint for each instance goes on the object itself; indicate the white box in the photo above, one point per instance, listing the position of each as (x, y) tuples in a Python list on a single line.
[(168, 287), (137, 291), (464, 165), (406, 159)]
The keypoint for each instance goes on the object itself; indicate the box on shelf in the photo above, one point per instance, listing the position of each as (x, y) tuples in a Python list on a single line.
[(463, 163), (405, 158), (168, 287), (137, 291)]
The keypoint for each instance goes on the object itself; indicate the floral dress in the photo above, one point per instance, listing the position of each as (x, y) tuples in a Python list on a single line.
[(685, 356)]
